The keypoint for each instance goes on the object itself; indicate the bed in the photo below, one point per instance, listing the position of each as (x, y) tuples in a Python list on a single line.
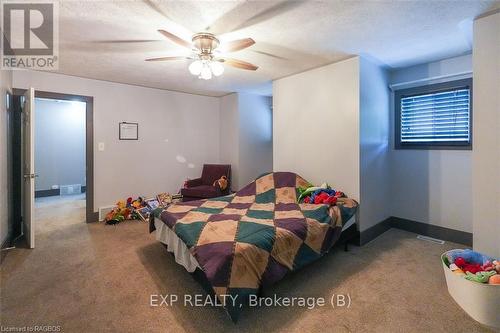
[(251, 239)]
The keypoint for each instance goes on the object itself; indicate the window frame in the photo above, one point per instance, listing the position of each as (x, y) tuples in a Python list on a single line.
[(426, 89)]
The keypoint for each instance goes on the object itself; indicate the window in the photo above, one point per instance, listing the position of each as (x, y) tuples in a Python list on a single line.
[(437, 116)]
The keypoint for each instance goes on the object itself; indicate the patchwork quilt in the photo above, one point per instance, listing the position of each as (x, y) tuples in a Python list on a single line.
[(256, 236)]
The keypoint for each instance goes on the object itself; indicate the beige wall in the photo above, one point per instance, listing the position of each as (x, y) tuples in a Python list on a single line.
[(486, 153), (229, 136), (5, 86), (256, 138), (432, 186), (178, 132), (316, 125), (374, 145), (332, 124), (246, 136)]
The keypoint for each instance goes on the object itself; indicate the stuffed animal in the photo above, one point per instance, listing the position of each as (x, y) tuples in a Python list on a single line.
[(323, 196), (468, 255), (115, 216), (454, 268), (488, 266), (109, 216), (306, 192), (466, 266), (496, 263), (138, 203), (494, 279), (222, 182), (481, 277), (122, 211)]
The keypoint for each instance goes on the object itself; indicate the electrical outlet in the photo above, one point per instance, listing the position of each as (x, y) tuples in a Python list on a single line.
[(100, 146)]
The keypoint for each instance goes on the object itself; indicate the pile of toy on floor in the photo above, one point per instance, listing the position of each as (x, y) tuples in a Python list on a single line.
[(138, 209), (125, 210), (323, 194), (474, 266)]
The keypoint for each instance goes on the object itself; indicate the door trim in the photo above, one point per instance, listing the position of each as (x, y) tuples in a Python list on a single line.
[(91, 215)]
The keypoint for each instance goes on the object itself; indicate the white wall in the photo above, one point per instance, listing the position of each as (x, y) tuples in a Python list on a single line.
[(5, 86), (246, 136), (229, 136), (178, 132), (59, 143), (316, 125), (256, 137), (432, 186), (486, 153), (374, 144)]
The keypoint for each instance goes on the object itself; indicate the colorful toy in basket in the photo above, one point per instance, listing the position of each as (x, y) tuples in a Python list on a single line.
[(474, 266), (481, 277), (495, 279)]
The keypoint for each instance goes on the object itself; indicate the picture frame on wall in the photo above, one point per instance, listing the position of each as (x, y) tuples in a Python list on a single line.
[(128, 131)]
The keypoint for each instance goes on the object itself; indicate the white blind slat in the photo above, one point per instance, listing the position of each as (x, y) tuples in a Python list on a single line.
[(436, 117)]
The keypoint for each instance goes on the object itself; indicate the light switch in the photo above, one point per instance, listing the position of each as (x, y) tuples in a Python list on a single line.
[(100, 146)]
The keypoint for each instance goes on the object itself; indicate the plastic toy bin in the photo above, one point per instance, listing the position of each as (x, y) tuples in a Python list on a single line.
[(481, 301)]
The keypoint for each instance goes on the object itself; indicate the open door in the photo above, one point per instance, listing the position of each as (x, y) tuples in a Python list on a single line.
[(29, 166)]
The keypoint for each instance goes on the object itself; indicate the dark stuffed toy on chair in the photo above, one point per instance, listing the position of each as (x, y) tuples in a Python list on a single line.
[(206, 186)]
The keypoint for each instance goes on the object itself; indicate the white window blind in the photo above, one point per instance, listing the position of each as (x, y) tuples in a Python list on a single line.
[(436, 117)]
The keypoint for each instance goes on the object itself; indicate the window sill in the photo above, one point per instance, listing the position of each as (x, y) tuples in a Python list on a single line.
[(433, 147)]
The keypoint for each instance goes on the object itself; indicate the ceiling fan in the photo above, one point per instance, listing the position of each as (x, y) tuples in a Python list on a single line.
[(206, 50)]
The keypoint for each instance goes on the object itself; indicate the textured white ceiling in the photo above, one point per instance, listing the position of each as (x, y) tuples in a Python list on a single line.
[(290, 37)]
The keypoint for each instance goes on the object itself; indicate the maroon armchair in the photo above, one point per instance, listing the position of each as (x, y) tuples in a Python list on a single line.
[(203, 188)]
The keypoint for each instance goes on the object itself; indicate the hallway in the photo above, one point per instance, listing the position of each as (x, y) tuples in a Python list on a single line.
[(57, 212)]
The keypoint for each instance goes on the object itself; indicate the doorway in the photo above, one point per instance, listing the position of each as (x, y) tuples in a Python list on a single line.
[(63, 163), (60, 184)]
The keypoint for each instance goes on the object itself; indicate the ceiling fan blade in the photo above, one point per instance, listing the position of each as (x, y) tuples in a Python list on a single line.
[(237, 45), (238, 63), (154, 5), (229, 20), (167, 58), (176, 39), (125, 41), (250, 13)]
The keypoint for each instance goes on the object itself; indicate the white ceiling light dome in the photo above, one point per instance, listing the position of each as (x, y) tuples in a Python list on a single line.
[(206, 72), (217, 68), (205, 68), (195, 67)]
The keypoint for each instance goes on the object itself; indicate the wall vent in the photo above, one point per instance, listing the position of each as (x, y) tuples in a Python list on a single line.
[(71, 189), (103, 211), (430, 239)]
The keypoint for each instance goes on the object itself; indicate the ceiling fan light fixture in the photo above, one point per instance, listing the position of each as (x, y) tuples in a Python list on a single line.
[(205, 51), (195, 67), (206, 72), (217, 68)]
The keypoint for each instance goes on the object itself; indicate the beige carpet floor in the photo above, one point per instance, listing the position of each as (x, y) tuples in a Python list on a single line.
[(97, 278), (56, 212)]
